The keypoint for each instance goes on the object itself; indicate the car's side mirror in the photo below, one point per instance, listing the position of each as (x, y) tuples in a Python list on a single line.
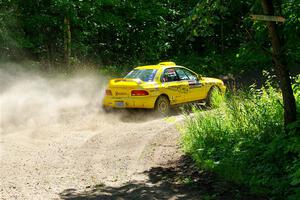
[(199, 76)]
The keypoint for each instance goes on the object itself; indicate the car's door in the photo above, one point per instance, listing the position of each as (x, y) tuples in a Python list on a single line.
[(175, 88), (196, 90)]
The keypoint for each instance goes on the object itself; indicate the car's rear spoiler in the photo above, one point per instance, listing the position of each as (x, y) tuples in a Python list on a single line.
[(136, 80)]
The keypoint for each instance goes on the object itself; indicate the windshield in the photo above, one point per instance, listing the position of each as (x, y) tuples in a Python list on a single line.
[(146, 75)]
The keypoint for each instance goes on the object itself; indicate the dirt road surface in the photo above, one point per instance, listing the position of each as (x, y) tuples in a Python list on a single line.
[(57, 144)]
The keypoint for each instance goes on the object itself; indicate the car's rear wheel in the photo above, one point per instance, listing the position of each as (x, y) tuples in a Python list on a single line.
[(107, 109), (162, 105)]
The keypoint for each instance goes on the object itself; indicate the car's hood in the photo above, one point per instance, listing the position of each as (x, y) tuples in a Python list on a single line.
[(212, 80)]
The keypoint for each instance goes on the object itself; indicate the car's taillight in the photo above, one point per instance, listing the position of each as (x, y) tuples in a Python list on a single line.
[(108, 92), (139, 93)]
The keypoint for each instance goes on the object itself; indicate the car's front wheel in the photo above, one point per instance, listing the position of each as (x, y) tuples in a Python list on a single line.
[(162, 105)]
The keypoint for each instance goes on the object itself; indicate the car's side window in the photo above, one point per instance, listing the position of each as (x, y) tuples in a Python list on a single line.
[(181, 74), (185, 74), (169, 75), (190, 75)]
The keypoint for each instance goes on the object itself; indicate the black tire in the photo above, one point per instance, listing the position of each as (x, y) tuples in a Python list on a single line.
[(107, 109), (162, 105), (209, 98)]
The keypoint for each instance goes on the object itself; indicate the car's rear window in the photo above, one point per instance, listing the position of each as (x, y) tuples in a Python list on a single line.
[(146, 75)]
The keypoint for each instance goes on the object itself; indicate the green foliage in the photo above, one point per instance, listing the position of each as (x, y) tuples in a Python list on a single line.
[(115, 71), (217, 100), (111, 31), (213, 37), (296, 87), (223, 29), (244, 140)]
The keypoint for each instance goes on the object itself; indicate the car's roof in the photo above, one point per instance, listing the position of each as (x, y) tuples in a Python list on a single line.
[(159, 65), (150, 67)]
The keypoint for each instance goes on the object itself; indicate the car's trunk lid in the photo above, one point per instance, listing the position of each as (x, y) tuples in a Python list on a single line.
[(121, 87)]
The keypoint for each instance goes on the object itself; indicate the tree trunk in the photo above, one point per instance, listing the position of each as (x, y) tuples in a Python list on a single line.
[(67, 41), (222, 31), (281, 69)]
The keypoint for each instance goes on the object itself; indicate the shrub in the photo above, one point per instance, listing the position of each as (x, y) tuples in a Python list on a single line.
[(244, 140)]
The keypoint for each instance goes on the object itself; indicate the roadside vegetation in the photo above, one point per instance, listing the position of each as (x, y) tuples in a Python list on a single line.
[(244, 140)]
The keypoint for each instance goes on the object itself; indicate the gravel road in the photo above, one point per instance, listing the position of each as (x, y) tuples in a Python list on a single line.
[(55, 139)]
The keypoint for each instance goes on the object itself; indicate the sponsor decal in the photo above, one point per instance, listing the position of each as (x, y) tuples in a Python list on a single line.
[(179, 89)]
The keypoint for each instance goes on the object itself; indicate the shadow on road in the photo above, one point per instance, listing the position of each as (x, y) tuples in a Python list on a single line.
[(180, 180)]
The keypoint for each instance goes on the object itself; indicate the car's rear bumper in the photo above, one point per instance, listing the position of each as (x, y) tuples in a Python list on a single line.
[(129, 102)]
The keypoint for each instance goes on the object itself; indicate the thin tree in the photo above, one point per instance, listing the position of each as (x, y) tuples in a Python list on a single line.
[(280, 67), (67, 41)]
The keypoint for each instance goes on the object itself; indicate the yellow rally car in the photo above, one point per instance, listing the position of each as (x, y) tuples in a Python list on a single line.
[(159, 87)]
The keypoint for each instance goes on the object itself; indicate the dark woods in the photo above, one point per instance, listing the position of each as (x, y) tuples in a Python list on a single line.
[(213, 37)]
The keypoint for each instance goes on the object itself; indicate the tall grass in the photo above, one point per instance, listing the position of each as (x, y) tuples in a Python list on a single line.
[(244, 140)]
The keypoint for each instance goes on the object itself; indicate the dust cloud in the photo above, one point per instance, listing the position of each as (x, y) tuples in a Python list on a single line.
[(54, 136), (31, 99)]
